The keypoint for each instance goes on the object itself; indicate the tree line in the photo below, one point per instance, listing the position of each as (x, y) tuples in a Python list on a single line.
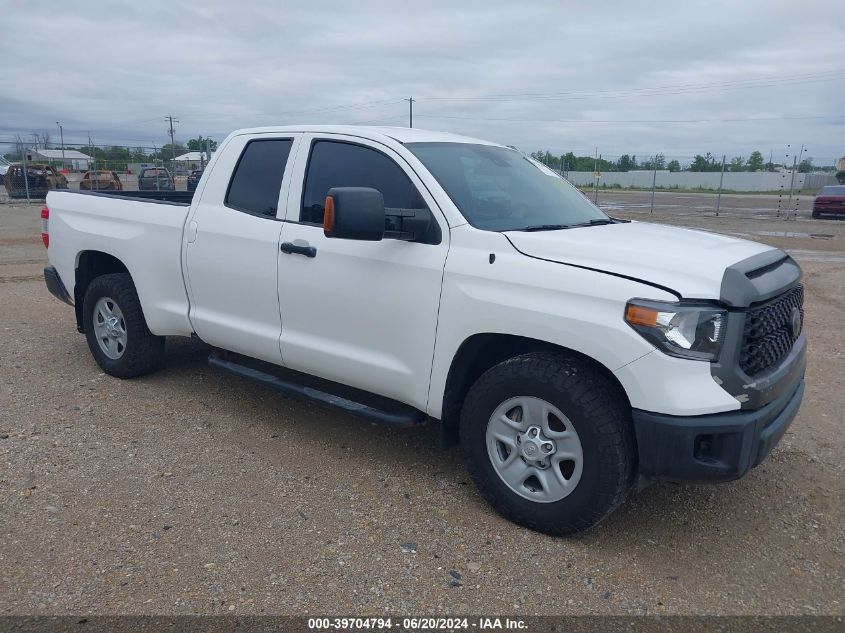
[(629, 162)]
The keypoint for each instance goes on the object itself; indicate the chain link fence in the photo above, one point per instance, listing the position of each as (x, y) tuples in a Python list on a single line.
[(707, 186), (28, 171)]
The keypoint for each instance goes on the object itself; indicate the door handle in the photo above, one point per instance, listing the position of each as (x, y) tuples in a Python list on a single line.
[(292, 249)]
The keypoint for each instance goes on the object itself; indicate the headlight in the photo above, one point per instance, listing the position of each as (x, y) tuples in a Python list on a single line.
[(693, 332)]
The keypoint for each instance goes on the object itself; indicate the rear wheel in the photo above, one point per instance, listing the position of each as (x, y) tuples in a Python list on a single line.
[(816, 214), (116, 330), (549, 442)]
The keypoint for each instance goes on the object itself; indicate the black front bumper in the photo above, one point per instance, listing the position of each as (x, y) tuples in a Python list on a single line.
[(55, 285), (715, 447)]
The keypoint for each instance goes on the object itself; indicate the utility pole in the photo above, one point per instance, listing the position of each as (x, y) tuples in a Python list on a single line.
[(172, 142), (93, 156), (62, 135), (410, 101), (721, 178)]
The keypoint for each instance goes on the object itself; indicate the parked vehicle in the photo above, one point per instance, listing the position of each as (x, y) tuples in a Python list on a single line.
[(156, 179), (40, 178), (416, 275), (194, 179), (101, 180), (4, 167), (830, 201)]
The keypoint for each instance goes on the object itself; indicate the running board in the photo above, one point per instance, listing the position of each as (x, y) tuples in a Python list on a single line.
[(404, 417)]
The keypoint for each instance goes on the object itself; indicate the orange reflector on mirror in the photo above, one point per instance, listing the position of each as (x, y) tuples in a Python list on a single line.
[(328, 216)]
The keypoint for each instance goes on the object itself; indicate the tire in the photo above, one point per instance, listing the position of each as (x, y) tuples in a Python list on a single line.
[(594, 410), (135, 350), (816, 214)]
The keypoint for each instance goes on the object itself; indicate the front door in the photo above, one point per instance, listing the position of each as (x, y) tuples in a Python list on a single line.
[(360, 313)]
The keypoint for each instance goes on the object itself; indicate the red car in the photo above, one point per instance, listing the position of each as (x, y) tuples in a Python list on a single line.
[(831, 200)]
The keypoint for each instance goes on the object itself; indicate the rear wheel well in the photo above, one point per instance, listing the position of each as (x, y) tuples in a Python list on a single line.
[(479, 353), (89, 266)]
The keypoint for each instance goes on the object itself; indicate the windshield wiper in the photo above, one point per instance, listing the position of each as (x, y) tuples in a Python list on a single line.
[(597, 222), (547, 227), (556, 227)]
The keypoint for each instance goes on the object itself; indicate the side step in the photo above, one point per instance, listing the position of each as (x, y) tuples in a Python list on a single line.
[(403, 415)]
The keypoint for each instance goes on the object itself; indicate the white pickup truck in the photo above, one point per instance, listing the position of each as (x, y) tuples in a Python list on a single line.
[(405, 275)]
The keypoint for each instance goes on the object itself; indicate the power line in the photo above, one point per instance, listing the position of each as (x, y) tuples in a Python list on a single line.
[(655, 90), (350, 106), (612, 121), (379, 120)]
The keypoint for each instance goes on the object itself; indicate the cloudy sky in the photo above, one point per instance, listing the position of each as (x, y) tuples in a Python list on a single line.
[(638, 77)]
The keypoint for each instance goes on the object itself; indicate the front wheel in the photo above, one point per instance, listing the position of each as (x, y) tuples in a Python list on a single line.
[(549, 442), (116, 330)]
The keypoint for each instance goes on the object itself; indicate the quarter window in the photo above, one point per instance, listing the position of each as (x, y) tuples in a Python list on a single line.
[(257, 180)]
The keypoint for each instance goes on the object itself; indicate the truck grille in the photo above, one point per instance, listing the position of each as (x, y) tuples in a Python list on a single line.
[(768, 336)]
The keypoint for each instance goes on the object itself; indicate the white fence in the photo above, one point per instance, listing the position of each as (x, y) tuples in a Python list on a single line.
[(737, 181)]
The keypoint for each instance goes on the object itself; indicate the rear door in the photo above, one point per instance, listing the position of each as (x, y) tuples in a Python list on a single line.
[(360, 313), (232, 246)]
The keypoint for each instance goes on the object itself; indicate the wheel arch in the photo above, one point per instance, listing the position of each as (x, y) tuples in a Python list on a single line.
[(480, 352), (91, 264)]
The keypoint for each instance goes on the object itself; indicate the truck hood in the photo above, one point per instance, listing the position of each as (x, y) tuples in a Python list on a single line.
[(691, 263)]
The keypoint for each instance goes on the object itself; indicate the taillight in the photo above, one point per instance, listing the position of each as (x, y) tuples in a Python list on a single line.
[(45, 226)]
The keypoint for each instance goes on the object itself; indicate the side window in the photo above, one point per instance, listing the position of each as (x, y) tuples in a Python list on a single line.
[(337, 164), (257, 179)]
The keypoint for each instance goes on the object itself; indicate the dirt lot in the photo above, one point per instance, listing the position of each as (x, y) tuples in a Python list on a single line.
[(192, 491)]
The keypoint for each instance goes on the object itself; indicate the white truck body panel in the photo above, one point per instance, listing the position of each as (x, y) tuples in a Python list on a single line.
[(146, 237), (674, 386)]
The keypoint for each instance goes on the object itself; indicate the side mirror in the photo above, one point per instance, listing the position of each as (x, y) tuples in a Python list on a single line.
[(354, 213)]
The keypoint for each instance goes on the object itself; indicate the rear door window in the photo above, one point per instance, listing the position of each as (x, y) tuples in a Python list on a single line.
[(257, 179)]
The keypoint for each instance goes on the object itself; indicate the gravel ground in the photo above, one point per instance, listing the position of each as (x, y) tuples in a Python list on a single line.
[(192, 491)]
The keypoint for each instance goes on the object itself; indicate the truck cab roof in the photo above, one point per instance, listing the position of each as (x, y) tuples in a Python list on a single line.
[(400, 134)]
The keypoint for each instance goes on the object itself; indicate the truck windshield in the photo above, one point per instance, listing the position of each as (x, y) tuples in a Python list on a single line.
[(499, 189)]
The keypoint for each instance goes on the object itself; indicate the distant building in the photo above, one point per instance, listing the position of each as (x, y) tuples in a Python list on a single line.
[(72, 159), (191, 160), (840, 164)]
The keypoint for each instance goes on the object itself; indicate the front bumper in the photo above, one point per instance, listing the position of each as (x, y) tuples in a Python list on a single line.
[(714, 447)]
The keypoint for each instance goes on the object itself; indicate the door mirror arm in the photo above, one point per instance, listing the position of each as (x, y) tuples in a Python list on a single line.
[(406, 224)]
